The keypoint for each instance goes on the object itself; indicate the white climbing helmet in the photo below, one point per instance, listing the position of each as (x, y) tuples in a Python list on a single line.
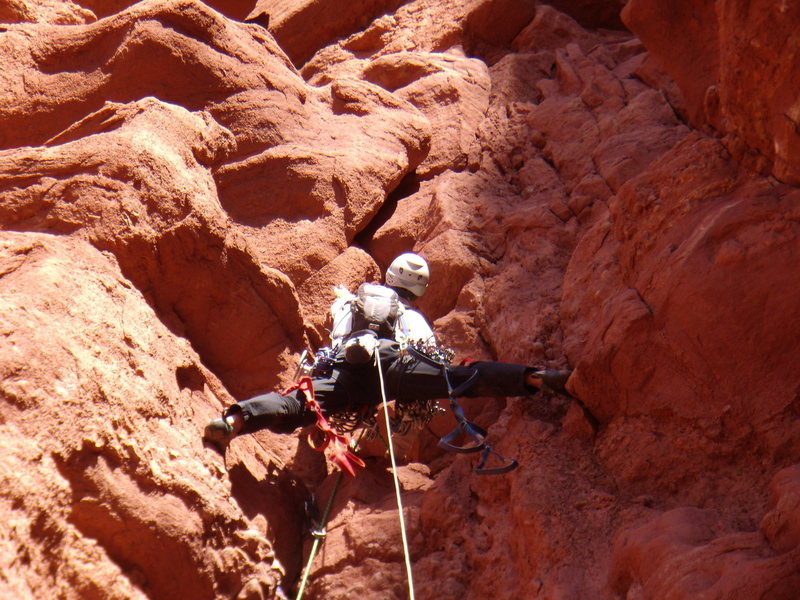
[(410, 272)]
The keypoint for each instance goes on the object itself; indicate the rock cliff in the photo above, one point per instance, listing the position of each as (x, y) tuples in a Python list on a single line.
[(605, 186)]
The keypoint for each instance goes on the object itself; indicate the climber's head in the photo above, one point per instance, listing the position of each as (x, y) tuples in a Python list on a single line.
[(408, 273)]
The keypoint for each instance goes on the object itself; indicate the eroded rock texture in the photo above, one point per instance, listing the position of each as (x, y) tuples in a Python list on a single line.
[(182, 185), (737, 65)]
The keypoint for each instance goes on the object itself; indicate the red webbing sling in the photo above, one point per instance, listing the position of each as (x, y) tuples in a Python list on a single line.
[(339, 452)]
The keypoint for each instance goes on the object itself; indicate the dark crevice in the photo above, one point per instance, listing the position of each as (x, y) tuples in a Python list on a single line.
[(190, 377), (408, 186), (280, 497)]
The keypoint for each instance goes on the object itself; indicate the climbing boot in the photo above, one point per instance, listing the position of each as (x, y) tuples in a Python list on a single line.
[(219, 433), (554, 381)]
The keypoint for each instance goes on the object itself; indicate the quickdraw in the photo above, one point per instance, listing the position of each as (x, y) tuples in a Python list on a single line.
[(471, 430), (338, 446)]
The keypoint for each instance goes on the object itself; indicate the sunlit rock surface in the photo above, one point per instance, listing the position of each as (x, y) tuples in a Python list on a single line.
[(182, 185)]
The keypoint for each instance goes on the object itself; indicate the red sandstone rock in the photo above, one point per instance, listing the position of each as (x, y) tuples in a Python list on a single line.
[(346, 197), (686, 552), (158, 217), (424, 26), (693, 63), (176, 204), (105, 482), (780, 524), (451, 91), (57, 12), (302, 28), (592, 13), (737, 67)]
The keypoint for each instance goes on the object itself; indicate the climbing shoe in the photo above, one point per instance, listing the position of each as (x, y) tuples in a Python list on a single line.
[(554, 381), (219, 433)]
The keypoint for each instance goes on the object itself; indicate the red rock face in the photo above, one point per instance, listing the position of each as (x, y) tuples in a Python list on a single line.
[(180, 190), (737, 64)]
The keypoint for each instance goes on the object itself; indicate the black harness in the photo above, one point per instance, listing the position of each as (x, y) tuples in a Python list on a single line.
[(325, 360)]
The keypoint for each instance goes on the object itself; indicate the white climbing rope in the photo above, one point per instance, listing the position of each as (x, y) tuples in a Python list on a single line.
[(406, 553)]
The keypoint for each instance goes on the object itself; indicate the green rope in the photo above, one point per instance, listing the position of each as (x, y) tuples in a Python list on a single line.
[(318, 535), (321, 533)]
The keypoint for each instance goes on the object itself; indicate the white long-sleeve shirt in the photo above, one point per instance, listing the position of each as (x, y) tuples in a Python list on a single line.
[(409, 325)]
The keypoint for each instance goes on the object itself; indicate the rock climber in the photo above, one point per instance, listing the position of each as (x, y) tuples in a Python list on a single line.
[(380, 319)]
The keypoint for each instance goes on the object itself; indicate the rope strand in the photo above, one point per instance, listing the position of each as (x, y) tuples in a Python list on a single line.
[(321, 533), (390, 444), (406, 553), (318, 536)]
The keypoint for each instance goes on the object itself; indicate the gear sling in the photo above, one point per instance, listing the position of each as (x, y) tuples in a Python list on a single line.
[(434, 369)]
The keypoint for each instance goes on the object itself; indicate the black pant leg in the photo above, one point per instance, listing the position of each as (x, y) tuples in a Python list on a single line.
[(273, 411), (411, 378), (491, 379), (347, 387)]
